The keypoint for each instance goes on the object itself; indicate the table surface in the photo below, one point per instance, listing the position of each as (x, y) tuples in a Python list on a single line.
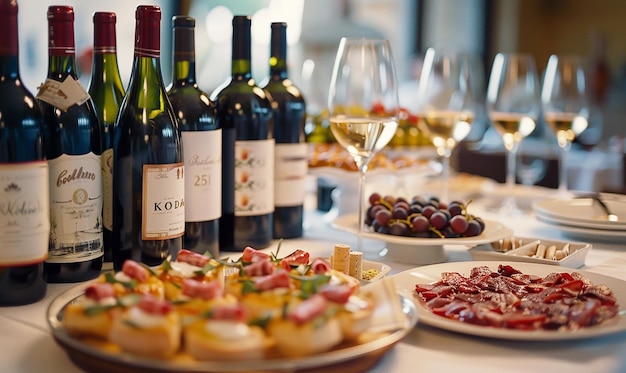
[(28, 345)]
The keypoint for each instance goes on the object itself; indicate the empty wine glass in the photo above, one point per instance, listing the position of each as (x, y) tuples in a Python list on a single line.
[(363, 103), (513, 107), (446, 104), (565, 106)]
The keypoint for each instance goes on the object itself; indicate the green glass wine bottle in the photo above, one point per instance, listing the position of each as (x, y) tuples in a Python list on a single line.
[(107, 92), (244, 113), (202, 143), (148, 169), (291, 150), (24, 194), (73, 143)]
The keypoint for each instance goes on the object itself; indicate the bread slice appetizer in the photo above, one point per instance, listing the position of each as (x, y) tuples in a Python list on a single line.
[(188, 265), (135, 278), (151, 329), (354, 313), (225, 335), (308, 327), (94, 314), (199, 298)]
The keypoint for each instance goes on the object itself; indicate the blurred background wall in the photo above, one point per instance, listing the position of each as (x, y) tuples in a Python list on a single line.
[(593, 29)]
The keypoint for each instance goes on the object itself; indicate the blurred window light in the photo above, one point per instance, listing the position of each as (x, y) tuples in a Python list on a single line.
[(218, 23)]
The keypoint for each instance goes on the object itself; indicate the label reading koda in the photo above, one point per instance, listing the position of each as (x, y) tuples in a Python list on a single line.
[(163, 201), (75, 208)]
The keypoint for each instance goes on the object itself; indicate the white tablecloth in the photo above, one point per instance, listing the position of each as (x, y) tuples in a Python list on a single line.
[(27, 345)]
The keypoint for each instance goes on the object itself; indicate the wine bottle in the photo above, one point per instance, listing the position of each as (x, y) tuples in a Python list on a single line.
[(245, 115), (73, 143), (290, 152), (148, 169), (107, 92), (202, 143), (24, 197)]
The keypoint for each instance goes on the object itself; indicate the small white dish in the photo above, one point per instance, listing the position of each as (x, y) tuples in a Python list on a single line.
[(526, 250), (382, 268)]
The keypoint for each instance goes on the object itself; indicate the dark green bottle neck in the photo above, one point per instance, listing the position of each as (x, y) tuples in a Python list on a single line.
[(278, 51), (105, 68), (59, 67), (184, 57), (278, 69), (9, 68), (241, 67), (184, 73), (146, 83)]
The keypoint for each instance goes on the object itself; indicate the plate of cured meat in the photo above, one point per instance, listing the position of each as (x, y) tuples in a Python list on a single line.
[(259, 313), (515, 300)]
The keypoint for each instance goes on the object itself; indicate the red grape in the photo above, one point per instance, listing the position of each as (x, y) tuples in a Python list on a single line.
[(399, 213), (473, 228), (404, 204), (455, 208), (428, 210), (439, 220), (382, 217), (374, 198), (459, 223), (420, 223), (398, 229)]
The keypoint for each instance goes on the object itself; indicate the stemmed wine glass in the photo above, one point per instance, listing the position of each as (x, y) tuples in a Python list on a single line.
[(513, 107), (446, 103), (565, 106), (363, 103), (532, 161)]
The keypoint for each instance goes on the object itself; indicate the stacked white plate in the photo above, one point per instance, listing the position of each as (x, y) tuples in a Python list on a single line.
[(584, 217)]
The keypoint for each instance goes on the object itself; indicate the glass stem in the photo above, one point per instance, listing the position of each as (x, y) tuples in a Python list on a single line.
[(509, 205), (563, 168), (445, 177), (511, 154), (361, 215)]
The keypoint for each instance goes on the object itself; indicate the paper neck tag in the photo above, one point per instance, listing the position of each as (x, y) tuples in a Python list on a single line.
[(63, 94)]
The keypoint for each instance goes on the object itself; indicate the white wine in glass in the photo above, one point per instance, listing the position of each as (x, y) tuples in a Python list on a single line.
[(513, 106), (446, 104), (363, 136), (565, 106), (363, 104)]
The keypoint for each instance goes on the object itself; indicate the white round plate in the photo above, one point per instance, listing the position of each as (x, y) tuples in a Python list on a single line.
[(429, 250), (493, 232), (575, 231), (583, 212), (406, 281)]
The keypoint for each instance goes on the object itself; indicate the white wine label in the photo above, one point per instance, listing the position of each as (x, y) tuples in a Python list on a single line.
[(24, 213), (63, 94), (163, 201), (254, 177), (107, 189), (75, 208), (202, 151), (290, 168)]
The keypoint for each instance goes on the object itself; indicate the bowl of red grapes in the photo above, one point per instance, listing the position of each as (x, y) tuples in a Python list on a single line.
[(421, 217)]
